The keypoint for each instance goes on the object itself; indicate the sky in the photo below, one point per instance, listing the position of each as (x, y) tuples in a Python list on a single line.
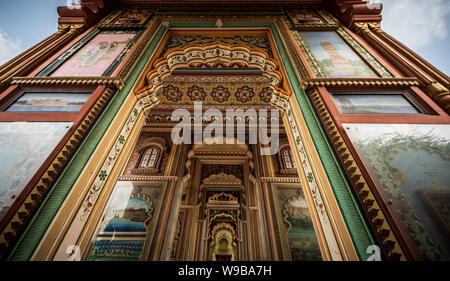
[(422, 25)]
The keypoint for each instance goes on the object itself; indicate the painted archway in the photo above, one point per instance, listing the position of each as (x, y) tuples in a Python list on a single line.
[(76, 220)]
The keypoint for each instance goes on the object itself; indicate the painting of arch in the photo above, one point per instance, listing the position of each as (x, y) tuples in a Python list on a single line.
[(123, 228), (333, 56), (411, 163), (301, 236), (96, 56), (24, 146)]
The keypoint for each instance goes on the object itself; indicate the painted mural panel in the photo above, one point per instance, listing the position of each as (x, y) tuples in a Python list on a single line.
[(334, 57), (124, 224), (412, 163), (94, 58), (373, 103), (302, 240), (24, 146), (69, 102)]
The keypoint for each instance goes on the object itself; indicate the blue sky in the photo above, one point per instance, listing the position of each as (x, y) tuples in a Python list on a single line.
[(422, 25)]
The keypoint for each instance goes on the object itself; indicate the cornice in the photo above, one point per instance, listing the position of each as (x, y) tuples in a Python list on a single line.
[(68, 81), (279, 180), (361, 82), (351, 11), (148, 178), (222, 3)]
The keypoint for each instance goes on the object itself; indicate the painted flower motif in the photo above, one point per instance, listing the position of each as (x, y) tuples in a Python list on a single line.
[(244, 94), (196, 93), (266, 94), (172, 93), (220, 94)]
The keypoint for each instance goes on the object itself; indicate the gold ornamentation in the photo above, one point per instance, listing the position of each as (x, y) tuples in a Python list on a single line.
[(362, 82), (148, 178), (222, 178), (279, 180), (68, 81)]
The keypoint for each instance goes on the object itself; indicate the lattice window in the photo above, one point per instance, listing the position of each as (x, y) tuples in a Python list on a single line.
[(288, 159), (150, 157)]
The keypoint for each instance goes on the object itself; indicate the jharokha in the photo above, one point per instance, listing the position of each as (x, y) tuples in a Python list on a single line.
[(90, 170)]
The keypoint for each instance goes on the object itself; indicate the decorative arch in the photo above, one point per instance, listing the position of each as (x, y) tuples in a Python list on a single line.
[(335, 241), (211, 54)]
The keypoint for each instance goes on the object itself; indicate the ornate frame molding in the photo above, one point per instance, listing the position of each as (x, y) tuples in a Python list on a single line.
[(363, 82), (68, 81)]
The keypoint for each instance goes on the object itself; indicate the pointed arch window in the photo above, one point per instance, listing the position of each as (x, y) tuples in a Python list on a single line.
[(288, 159), (150, 157)]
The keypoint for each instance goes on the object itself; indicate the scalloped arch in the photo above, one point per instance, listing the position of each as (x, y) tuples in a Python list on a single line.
[(218, 51)]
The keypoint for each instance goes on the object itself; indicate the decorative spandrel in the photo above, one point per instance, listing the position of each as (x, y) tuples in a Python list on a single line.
[(253, 41), (411, 163)]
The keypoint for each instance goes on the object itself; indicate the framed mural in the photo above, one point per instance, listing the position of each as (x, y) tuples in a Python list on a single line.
[(24, 146), (97, 54), (410, 163), (49, 101), (373, 103), (124, 225), (296, 221), (333, 56)]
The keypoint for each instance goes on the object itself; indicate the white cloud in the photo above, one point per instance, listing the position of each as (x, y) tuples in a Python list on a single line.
[(9, 48), (416, 23)]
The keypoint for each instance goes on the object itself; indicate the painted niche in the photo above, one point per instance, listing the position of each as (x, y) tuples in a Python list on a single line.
[(333, 56), (49, 102), (96, 56), (24, 147), (302, 240), (124, 225), (411, 163)]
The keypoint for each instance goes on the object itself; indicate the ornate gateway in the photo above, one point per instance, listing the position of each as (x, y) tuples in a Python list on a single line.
[(265, 130)]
